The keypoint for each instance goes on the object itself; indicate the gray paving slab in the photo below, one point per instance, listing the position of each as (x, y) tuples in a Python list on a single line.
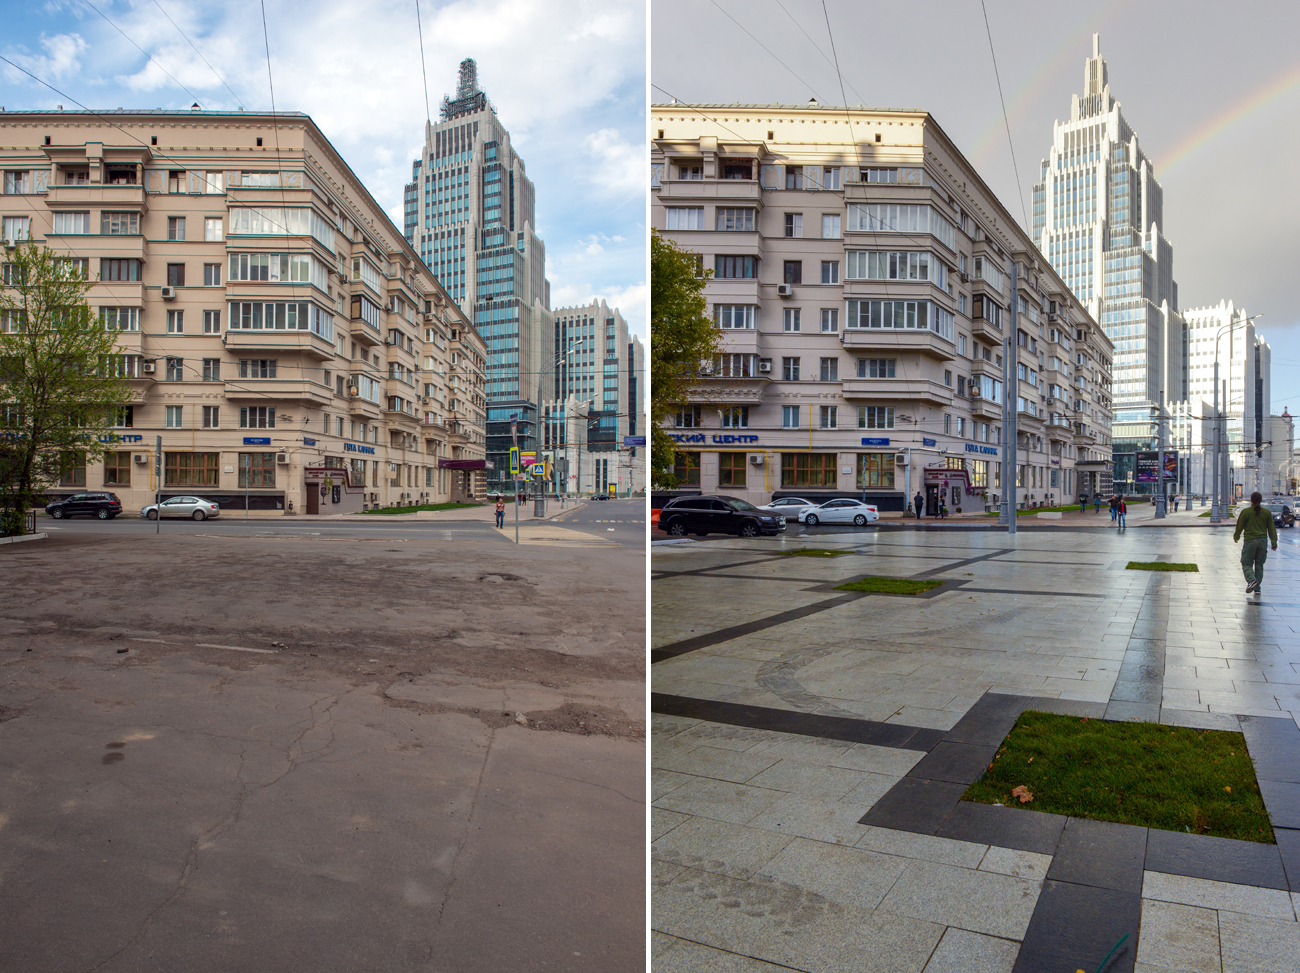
[(962, 951), (719, 846), (986, 902)]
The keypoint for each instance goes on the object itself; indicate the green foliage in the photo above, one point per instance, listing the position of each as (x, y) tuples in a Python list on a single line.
[(681, 337), (389, 511), (1161, 566), (60, 390), (890, 586)]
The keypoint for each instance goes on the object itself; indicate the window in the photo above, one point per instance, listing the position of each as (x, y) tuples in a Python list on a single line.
[(117, 469), (74, 470), (76, 177), (875, 470), (947, 377), (175, 416), (690, 172), (687, 417), (734, 219), (119, 175), (175, 322), (830, 319), (176, 181), (71, 222), (735, 366), (829, 416), (686, 467), (961, 308), (259, 179), (880, 175), (175, 228), (735, 267), (213, 229), (831, 226), (877, 367), (875, 417), (793, 177), (684, 218), (212, 369), (791, 318), (947, 424), (900, 314), (891, 218), (256, 417), (830, 177), (735, 315), (789, 417), (257, 367), (961, 426), (830, 370), (213, 182), (830, 271), (175, 275), (17, 227), (17, 182), (896, 265), (175, 369), (790, 369), (120, 318), (119, 269), (211, 322), (731, 469), (118, 224), (961, 385), (245, 316), (735, 417), (73, 266), (257, 469), (794, 224), (793, 272), (212, 275), (808, 469)]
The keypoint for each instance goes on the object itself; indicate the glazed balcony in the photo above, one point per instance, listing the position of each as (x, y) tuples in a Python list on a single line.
[(898, 341)]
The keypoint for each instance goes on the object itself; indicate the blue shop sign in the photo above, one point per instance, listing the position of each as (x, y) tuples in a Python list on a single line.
[(722, 439), (987, 450), (875, 442), (308, 442), (354, 448), (257, 440), (929, 442), (115, 438)]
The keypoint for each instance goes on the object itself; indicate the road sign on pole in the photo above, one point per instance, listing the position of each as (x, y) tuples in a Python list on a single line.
[(514, 460)]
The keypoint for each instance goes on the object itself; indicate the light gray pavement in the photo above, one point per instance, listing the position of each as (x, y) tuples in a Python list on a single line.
[(233, 752), (759, 861)]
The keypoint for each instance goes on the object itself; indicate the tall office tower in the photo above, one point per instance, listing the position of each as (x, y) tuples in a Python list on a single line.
[(1098, 218), (469, 214), (598, 377)]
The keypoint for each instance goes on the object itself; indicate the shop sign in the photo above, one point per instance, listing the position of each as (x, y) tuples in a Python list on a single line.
[(351, 448), (929, 442), (257, 440), (308, 442), (722, 439), (986, 450), (874, 442), (114, 438)]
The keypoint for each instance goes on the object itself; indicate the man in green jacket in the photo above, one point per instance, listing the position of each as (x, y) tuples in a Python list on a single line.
[(1256, 523)]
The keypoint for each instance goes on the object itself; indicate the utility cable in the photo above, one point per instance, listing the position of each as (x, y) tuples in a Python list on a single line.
[(428, 112), (766, 48), (199, 53), (816, 48), (1024, 214), (140, 49)]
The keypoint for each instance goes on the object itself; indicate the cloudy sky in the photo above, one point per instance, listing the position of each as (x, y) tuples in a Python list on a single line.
[(1214, 101), (567, 78)]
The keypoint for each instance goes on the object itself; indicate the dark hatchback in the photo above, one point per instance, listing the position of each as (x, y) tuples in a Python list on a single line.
[(1283, 515), (717, 515), (105, 506)]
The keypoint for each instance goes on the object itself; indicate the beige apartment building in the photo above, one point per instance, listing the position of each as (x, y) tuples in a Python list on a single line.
[(279, 333), (862, 286)]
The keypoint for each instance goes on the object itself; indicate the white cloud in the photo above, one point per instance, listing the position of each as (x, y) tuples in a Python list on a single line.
[(631, 300), (60, 60), (616, 166)]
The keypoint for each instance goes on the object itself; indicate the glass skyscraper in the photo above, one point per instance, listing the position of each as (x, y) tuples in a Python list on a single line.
[(468, 211), (1098, 217)]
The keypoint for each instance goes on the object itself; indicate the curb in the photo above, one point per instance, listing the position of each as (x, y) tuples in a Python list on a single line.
[(22, 538)]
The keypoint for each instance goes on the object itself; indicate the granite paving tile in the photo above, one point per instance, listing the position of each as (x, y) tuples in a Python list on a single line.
[(868, 758), (816, 818), (1100, 853), (1075, 926), (960, 763), (688, 957), (924, 847), (1003, 826), (1222, 896), (962, 951), (914, 804), (1282, 799), (1218, 859), (840, 873), (985, 902), (1253, 944), (720, 800), (662, 821), (811, 780), (1179, 937), (1021, 864), (665, 781), (719, 846), (715, 763)]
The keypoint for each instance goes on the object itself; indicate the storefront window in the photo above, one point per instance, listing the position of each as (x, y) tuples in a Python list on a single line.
[(117, 469), (257, 469), (808, 469), (686, 467), (74, 472), (731, 469), (875, 471)]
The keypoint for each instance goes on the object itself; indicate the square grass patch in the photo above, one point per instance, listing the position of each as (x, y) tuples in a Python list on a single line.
[(1168, 777), (1161, 566), (889, 586), (813, 552)]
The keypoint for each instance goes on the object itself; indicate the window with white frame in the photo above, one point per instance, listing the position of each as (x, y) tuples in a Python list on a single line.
[(789, 369), (830, 416), (735, 218), (877, 367), (875, 417), (119, 224), (175, 228), (735, 417), (895, 218), (257, 417), (17, 227), (830, 370), (794, 177), (259, 179), (794, 225), (735, 366), (791, 318), (789, 417), (212, 417), (830, 226), (120, 318), (830, 271), (684, 218), (72, 222), (212, 275), (212, 322), (175, 369), (830, 320), (257, 367), (891, 265), (175, 322), (830, 177), (17, 182), (175, 416), (213, 229), (687, 417), (735, 316)]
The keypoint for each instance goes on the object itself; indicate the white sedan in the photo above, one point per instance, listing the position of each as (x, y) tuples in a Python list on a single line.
[(841, 511), (789, 507), (195, 507)]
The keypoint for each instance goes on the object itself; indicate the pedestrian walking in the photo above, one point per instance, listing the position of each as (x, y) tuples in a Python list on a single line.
[(1120, 510), (943, 509), (919, 503), (501, 512), (1114, 507), (1083, 502), (1175, 503), (1256, 523), (1096, 503)]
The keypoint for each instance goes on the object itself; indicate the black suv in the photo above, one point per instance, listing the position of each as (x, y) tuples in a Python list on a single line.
[(1283, 515), (717, 515), (105, 506)]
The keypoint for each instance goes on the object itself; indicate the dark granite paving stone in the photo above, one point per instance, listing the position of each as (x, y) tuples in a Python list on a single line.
[(1131, 669), (1102, 854), (1003, 826), (1218, 859), (1145, 652), (1288, 845), (1282, 800), (1137, 690), (959, 763), (1075, 926), (914, 805), (1126, 711), (884, 735), (675, 649), (1274, 747), (981, 730)]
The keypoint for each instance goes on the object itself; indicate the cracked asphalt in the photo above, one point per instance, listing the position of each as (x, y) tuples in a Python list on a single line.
[(280, 753)]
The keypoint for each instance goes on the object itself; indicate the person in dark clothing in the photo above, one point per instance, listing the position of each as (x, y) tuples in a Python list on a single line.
[(1257, 524), (919, 503)]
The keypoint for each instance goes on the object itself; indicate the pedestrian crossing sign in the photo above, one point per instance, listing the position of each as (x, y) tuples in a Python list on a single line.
[(514, 460)]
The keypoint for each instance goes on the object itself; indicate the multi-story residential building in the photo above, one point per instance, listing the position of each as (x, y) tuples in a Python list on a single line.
[(469, 214), (1098, 216), (862, 285), (598, 376), (279, 333)]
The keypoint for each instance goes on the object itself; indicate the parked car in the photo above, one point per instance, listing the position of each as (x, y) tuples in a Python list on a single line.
[(195, 507), (789, 507), (717, 515), (1283, 515), (105, 506), (843, 511)]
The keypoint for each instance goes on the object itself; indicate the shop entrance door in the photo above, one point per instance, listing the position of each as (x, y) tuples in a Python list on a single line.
[(931, 500)]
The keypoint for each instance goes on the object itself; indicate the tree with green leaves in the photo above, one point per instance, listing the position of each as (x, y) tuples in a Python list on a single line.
[(681, 337), (62, 377)]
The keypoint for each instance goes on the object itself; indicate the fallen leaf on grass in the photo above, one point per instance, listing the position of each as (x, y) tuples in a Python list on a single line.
[(1023, 793), (1228, 789)]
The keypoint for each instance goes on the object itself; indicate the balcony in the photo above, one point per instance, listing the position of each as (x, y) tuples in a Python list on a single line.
[(912, 390), (363, 408), (729, 191), (280, 390), (307, 343), (111, 197), (729, 391), (985, 330), (982, 408), (898, 341)]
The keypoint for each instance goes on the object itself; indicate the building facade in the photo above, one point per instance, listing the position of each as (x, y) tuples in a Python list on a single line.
[(862, 286), (597, 381), (280, 335), (1098, 217), (469, 214)]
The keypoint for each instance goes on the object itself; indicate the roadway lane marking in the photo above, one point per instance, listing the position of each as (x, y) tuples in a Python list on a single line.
[(236, 648)]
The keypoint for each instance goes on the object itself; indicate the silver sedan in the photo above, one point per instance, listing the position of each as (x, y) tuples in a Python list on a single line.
[(843, 511), (789, 507), (195, 507)]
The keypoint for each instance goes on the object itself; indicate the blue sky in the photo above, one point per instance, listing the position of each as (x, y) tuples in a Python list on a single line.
[(567, 78)]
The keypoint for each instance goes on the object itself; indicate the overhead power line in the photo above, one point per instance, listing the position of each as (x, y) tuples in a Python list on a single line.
[(834, 63), (428, 112), (1024, 215), (200, 54), (766, 48), (140, 49)]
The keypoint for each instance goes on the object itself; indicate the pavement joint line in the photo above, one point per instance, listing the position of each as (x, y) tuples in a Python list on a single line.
[(963, 563), (1050, 594), (236, 648), (674, 649)]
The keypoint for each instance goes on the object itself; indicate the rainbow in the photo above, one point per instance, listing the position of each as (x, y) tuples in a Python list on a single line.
[(1230, 116)]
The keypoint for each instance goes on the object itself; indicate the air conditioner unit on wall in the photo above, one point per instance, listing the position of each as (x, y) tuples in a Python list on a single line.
[(784, 290), (148, 367), (900, 459), (765, 366), (282, 459), (141, 459), (168, 293), (756, 459)]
